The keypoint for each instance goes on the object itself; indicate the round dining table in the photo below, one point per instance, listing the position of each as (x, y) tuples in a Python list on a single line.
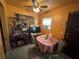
[(46, 45)]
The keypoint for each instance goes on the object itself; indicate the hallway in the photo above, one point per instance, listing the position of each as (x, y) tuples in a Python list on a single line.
[(31, 52)]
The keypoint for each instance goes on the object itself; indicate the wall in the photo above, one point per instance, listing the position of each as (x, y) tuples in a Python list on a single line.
[(38, 16), (59, 18), (11, 10)]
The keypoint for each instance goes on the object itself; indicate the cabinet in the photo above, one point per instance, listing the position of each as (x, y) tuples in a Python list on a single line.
[(19, 31)]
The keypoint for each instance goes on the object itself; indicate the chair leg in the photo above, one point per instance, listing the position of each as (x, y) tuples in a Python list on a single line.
[(45, 49)]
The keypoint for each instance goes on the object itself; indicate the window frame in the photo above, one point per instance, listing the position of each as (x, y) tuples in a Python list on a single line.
[(47, 25)]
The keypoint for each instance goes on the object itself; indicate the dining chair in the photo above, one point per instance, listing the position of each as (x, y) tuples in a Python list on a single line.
[(59, 47)]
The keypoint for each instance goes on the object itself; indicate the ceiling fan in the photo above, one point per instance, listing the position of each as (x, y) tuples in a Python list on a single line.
[(36, 6)]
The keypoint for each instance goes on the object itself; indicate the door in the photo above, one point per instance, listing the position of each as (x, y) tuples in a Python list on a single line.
[(72, 35)]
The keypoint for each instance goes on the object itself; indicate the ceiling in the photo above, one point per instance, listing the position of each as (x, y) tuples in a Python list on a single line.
[(52, 4)]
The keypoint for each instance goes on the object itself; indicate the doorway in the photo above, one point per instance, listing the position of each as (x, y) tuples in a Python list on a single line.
[(1, 27), (72, 35)]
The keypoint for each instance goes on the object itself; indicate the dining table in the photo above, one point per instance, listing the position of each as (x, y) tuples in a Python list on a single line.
[(45, 44)]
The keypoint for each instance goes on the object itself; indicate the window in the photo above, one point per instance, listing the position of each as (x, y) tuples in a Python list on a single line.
[(47, 23)]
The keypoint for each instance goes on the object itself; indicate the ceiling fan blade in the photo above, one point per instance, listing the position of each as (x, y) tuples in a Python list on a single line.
[(25, 0), (28, 6), (45, 6), (41, 10)]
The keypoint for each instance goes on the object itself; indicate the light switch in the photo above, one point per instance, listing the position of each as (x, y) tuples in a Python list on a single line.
[(61, 32)]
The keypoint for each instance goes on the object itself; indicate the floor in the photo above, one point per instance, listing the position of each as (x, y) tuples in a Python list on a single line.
[(32, 52)]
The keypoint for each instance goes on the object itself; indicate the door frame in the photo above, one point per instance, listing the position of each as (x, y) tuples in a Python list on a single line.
[(1, 27)]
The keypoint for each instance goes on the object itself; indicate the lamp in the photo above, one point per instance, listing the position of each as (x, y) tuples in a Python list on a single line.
[(36, 10)]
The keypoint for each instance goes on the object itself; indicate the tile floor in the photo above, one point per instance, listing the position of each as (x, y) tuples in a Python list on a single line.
[(32, 52)]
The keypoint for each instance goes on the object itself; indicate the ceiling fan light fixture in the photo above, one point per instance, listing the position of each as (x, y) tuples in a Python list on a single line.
[(37, 10)]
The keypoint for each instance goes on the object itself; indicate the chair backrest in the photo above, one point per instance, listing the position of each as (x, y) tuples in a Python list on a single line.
[(61, 45)]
